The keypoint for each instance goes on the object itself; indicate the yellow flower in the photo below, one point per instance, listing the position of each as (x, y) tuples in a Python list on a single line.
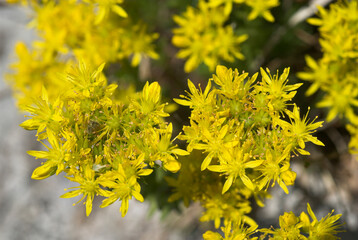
[(105, 6), (161, 148), (276, 169), (57, 156), (233, 163), (277, 89), (45, 116), (208, 40), (137, 43), (300, 130), (196, 97), (292, 227), (149, 103), (341, 100), (228, 4), (319, 75), (261, 8), (326, 228), (122, 187), (232, 230), (232, 83), (89, 187)]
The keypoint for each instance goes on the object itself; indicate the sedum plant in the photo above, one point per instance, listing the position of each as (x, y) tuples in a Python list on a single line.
[(103, 144), (106, 145), (247, 134), (243, 129)]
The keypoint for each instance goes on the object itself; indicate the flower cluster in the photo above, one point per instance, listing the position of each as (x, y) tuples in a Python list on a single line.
[(291, 227), (98, 31), (247, 134), (206, 188), (336, 73), (210, 39), (101, 143), (259, 7)]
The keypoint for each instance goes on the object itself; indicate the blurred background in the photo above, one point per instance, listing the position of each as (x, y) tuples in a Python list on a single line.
[(31, 209)]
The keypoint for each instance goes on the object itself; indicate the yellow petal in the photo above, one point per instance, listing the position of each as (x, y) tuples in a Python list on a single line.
[(88, 205), (180, 152), (247, 182), (120, 11), (39, 154), (71, 194), (137, 196), (227, 184), (182, 102), (253, 164), (172, 166), (206, 162), (124, 206), (44, 171)]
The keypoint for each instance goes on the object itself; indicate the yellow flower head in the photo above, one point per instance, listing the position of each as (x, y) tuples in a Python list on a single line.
[(208, 40)]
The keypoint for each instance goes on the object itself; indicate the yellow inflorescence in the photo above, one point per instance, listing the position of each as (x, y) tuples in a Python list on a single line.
[(242, 133), (247, 134), (211, 39), (97, 31), (103, 144), (336, 73), (208, 40), (291, 227)]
